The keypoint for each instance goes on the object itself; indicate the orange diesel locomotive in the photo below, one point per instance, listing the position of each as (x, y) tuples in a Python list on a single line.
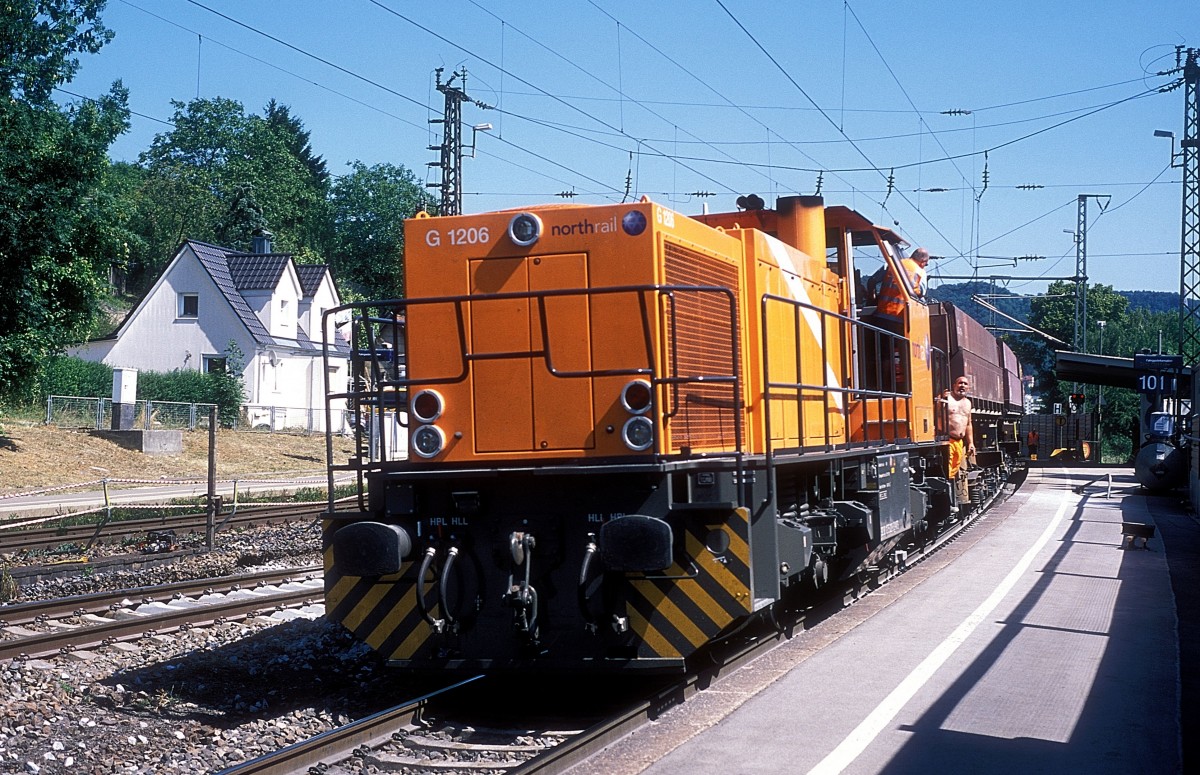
[(603, 436)]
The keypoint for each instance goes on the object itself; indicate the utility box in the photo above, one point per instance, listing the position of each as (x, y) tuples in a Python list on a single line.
[(124, 386), (124, 399)]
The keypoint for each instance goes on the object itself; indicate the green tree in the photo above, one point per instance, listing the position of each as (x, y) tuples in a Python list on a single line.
[(54, 229), (39, 40), (292, 130), (108, 223), (241, 218), (219, 174), (1054, 313), (369, 207)]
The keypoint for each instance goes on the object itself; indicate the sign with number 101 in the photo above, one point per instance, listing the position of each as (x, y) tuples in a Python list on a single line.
[(1157, 372), (1156, 383)]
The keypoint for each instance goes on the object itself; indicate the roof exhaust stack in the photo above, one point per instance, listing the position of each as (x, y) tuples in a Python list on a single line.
[(262, 241)]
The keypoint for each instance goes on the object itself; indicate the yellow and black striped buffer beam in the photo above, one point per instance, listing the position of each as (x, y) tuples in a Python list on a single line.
[(675, 613), (382, 612)]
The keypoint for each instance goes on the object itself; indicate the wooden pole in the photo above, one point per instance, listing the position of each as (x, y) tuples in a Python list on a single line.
[(212, 476)]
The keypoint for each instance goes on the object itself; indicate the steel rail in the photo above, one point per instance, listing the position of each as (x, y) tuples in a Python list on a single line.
[(89, 636), (337, 744), (25, 613)]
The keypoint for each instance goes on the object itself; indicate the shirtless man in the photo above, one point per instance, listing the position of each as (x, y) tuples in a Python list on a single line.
[(962, 432)]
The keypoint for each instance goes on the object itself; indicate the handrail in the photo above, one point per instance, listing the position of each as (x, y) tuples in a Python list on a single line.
[(378, 384)]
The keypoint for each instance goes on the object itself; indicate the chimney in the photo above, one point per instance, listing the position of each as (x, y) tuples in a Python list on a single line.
[(262, 241), (802, 223)]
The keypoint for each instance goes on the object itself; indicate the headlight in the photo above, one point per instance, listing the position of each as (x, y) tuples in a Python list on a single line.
[(426, 405), (428, 440), (635, 396), (525, 229), (638, 433)]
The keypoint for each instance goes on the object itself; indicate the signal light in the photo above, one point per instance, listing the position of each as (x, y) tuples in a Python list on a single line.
[(638, 433), (524, 229), (636, 396), (426, 405), (428, 440)]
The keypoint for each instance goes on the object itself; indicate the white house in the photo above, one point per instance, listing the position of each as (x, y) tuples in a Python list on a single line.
[(268, 306)]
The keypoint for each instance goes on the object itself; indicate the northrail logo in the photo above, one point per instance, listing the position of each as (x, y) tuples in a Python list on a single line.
[(585, 227)]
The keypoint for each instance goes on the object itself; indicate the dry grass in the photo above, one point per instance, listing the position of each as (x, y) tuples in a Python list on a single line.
[(35, 456)]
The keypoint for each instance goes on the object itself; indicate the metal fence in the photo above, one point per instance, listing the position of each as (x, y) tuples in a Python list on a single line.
[(149, 415), (75, 411), (291, 419)]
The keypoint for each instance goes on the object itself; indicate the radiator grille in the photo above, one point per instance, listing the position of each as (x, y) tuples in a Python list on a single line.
[(700, 344)]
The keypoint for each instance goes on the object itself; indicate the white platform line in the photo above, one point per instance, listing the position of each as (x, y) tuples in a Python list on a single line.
[(866, 732)]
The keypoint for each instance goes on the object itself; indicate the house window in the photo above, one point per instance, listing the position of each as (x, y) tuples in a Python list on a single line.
[(283, 314), (215, 364), (189, 305)]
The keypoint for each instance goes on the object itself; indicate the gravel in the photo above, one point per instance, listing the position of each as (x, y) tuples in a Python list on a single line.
[(192, 701), (236, 551)]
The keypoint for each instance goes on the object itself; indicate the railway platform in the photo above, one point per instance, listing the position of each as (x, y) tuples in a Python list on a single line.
[(1040, 644)]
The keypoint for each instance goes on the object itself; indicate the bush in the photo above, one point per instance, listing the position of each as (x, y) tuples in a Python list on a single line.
[(67, 376), (192, 387)]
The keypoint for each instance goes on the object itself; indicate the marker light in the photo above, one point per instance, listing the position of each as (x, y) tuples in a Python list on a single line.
[(428, 440), (635, 396), (638, 433), (426, 405), (525, 229)]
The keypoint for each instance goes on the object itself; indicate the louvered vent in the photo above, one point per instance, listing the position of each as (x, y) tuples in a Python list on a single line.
[(703, 415)]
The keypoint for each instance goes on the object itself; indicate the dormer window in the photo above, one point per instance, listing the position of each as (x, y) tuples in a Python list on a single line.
[(189, 305), (284, 321)]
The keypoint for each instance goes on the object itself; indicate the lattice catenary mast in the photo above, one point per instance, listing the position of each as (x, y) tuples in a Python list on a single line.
[(451, 147), (1189, 283)]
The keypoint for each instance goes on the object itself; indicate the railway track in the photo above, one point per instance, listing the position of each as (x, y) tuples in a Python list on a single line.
[(414, 737), (82, 536), (431, 734), (94, 620), (340, 743)]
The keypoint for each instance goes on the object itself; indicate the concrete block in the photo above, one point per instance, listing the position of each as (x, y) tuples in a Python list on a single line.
[(155, 442), (123, 646), (79, 656)]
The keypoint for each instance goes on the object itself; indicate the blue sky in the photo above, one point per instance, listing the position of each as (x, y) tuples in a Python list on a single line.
[(728, 97)]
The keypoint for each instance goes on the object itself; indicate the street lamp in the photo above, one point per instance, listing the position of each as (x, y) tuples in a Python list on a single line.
[(475, 130), (1176, 159)]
